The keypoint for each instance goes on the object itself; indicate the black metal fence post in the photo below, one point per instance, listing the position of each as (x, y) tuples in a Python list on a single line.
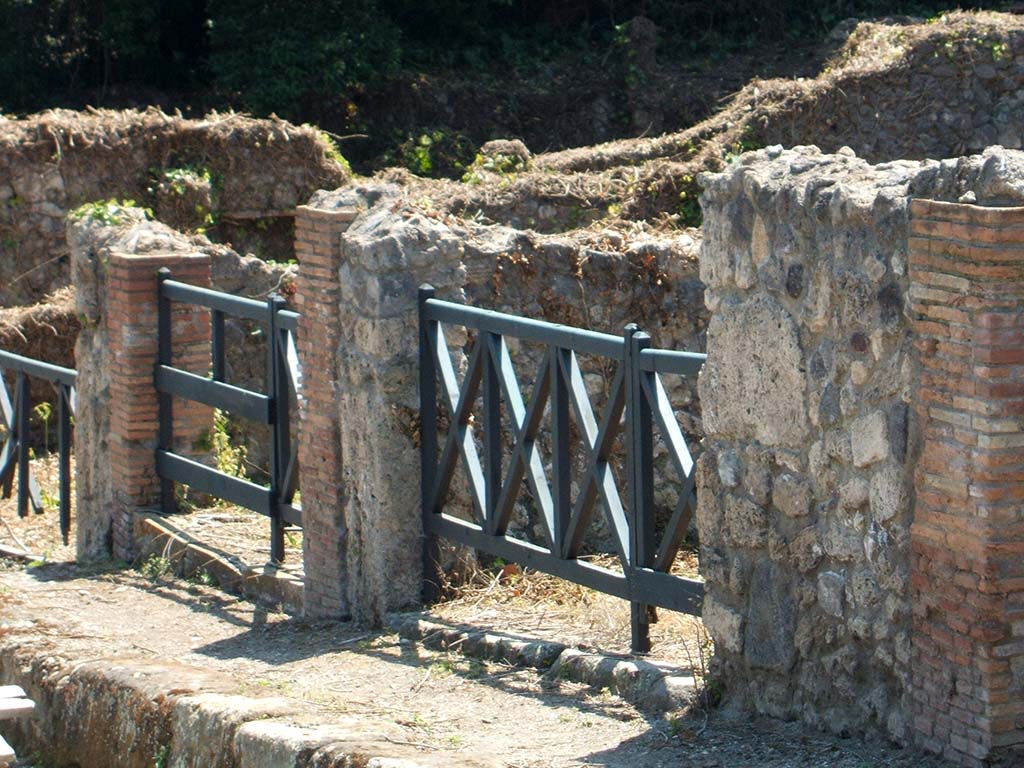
[(278, 392), (64, 454), (428, 445), (217, 344), (639, 440), (166, 409), (492, 430), (21, 410)]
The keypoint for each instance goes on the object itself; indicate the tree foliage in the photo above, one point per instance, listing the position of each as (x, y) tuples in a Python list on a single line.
[(290, 56)]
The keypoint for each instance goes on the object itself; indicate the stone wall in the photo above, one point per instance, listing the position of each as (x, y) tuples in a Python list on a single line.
[(363, 250), (254, 172), (811, 400)]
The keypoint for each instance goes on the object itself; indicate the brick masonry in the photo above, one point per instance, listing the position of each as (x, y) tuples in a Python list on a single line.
[(318, 250), (967, 540), (131, 323), (116, 422)]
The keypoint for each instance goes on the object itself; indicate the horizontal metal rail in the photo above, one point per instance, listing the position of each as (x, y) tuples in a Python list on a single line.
[(672, 362), (238, 306), (288, 320), (38, 369), (226, 397), (171, 466), (283, 377), (541, 331)]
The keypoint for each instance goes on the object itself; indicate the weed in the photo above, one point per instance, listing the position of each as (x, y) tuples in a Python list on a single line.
[(230, 458), (332, 152), (499, 163), (177, 178), (43, 412), (155, 567), (442, 668), (203, 577), (109, 213)]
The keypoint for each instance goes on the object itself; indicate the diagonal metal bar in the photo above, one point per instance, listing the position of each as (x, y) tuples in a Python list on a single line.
[(526, 460), (7, 456), (677, 526), (460, 436), (599, 476), (661, 408), (6, 408)]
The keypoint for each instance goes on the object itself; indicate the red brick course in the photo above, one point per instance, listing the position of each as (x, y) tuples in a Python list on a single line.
[(131, 324), (318, 251), (967, 540)]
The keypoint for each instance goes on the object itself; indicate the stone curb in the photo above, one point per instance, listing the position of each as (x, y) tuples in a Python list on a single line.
[(650, 686), (157, 535), (136, 713)]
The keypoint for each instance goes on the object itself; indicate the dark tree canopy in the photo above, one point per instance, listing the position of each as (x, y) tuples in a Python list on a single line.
[(290, 56)]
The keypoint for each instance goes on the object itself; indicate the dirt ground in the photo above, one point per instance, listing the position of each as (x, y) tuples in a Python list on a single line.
[(444, 704)]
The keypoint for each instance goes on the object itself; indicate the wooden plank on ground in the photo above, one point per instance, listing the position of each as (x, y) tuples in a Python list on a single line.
[(12, 708), (11, 692)]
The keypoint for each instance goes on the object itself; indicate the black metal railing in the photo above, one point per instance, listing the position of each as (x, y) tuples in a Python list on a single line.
[(272, 408), (14, 456), (635, 408)]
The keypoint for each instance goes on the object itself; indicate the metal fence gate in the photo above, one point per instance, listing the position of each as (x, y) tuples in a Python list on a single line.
[(272, 408), (14, 456), (637, 402)]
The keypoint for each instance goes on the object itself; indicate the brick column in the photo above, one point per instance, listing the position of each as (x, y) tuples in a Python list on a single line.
[(131, 327), (318, 250), (967, 539)]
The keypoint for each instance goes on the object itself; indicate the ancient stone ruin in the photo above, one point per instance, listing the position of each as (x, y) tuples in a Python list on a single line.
[(859, 300)]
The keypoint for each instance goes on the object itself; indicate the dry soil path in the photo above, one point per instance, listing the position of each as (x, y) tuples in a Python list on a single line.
[(467, 711)]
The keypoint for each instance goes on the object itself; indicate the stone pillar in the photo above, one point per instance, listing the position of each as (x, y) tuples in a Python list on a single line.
[(318, 249), (358, 344), (131, 323), (967, 539)]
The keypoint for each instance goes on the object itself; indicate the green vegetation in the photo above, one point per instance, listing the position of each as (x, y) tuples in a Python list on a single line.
[(110, 213), (155, 567)]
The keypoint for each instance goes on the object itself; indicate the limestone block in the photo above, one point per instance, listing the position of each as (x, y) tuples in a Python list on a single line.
[(889, 495), (853, 494), (729, 468), (791, 494), (746, 522), (832, 593), (771, 619), (869, 439), (724, 624), (752, 385)]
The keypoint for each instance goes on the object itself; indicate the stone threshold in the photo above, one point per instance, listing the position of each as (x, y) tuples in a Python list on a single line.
[(650, 686), (157, 534)]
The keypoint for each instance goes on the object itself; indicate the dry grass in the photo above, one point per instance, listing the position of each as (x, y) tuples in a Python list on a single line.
[(522, 601), (39, 534), (240, 535)]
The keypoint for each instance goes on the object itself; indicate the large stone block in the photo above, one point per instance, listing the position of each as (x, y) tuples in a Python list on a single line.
[(752, 386)]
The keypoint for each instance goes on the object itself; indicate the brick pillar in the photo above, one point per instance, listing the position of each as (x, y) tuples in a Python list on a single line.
[(359, 342), (318, 250), (131, 327), (967, 538)]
